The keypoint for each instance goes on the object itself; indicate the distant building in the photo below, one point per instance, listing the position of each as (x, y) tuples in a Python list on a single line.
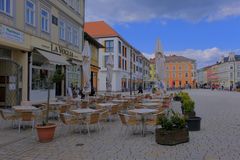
[(180, 72), (130, 66), (225, 73)]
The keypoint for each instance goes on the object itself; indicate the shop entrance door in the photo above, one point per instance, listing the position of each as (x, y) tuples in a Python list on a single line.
[(10, 77)]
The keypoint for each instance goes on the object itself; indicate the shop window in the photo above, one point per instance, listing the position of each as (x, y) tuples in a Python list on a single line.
[(5, 53), (40, 77), (30, 12), (44, 20)]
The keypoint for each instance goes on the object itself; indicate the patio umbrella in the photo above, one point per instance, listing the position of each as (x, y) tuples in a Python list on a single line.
[(86, 54), (160, 69), (109, 73)]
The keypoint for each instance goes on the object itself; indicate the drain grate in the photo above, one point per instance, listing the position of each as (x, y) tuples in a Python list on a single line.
[(79, 144)]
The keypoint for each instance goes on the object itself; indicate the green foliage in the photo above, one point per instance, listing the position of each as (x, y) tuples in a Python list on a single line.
[(188, 105), (58, 76), (154, 90), (171, 120)]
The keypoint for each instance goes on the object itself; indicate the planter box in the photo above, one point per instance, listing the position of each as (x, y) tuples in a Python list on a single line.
[(194, 123), (172, 137)]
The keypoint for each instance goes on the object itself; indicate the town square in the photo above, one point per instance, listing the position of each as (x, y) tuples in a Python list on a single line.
[(119, 80)]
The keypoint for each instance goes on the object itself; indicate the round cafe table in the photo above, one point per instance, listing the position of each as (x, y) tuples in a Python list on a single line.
[(119, 100)]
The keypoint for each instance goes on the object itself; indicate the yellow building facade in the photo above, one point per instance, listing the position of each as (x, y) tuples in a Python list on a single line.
[(38, 37)]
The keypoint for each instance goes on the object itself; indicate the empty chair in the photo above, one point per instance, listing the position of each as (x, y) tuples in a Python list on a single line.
[(92, 119), (114, 110), (69, 119), (152, 121), (128, 120), (8, 116), (26, 117)]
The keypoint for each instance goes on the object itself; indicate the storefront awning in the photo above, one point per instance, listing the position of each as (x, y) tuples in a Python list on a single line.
[(53, 58), (75, 62)]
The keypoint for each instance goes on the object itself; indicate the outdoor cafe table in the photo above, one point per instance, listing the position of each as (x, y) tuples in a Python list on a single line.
[(106, 105), (57, 103), (84, 111), (25, 108), (150, 104), (143, 113), (119, 100), (151, 100)]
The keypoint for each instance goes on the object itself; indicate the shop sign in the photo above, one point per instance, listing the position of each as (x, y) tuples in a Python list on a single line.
[(65, 52), (11, 34)]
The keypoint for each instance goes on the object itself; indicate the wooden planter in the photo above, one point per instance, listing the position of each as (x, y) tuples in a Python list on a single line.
[(171, 137), (46, 133)]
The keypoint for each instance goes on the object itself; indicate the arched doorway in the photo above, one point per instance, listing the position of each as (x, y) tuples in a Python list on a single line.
[(10, 78)]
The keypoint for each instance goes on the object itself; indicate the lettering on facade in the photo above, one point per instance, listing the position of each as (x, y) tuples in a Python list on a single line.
[(61, 50)]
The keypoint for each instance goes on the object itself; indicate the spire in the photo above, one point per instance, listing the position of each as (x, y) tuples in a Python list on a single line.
[(158, 46)]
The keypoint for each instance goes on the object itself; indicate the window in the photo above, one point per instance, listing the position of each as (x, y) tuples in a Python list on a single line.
[(75, 37), (231, 67), (186, 67), (180, 67), (186, 74), (69, 33), (180, 75), (44, 20), (109, 45), (238, 74), (231, 75), (62, 30), (174, 67), (119, 47), (6, 6), (238, 67), (119, 62), (105, 60), (123, 64), (30, 13)]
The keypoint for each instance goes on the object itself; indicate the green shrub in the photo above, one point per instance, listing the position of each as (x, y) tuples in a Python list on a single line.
[(172, 120), (188, 105)]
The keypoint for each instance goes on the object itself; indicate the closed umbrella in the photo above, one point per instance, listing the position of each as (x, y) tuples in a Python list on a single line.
[(86, 54), (109, 73)]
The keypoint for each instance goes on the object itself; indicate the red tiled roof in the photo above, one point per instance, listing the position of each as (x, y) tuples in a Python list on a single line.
[(100, 29), (174, 58)]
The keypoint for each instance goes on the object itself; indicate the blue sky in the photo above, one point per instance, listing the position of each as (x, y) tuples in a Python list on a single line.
[(203, 30)]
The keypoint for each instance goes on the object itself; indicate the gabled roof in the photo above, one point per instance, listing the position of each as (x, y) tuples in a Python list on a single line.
[(100, 29)]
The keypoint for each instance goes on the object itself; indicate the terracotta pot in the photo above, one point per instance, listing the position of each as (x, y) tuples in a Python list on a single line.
[(46, 133)]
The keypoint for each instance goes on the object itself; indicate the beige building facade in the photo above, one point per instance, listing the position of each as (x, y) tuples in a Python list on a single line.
[(38, 37)]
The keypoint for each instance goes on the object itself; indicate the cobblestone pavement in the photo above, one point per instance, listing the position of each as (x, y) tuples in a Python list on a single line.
[(219, 138)]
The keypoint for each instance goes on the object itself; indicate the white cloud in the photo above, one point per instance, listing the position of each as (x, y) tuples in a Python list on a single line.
[(122, 11), (203, 57)]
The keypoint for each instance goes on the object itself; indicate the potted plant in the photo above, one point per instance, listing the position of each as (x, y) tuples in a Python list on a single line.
[(154, 90), (173, 129), (188, 108), (46, 130)]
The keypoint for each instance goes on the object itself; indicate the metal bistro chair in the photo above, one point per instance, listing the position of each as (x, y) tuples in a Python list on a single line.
[(129, 120), (8, 117), (92, 119), (26, 117)]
